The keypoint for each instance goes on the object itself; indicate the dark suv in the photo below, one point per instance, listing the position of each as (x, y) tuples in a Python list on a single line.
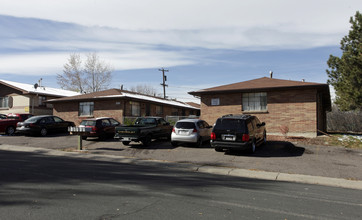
[(238, 132)]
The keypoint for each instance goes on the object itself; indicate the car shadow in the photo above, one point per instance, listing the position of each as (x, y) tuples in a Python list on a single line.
[(272, 149), (155, 144)]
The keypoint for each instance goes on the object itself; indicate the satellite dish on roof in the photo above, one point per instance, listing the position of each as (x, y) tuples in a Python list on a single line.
[(36, 85)]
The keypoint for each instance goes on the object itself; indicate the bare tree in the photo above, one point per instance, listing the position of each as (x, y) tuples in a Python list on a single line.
[(145, 89), (73, 76), (95, 76)]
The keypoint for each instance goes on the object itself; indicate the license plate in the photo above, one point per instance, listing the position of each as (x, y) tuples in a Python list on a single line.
[(228, 137), (183, 132), (126, 139)]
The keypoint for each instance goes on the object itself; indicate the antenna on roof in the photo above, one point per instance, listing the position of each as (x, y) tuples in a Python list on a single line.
[(271, 74)]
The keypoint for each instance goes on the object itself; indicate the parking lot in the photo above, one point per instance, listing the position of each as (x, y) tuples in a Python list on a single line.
[(276, 156)]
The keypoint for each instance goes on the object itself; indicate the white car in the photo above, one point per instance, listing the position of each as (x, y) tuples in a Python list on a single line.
[(193, 131)]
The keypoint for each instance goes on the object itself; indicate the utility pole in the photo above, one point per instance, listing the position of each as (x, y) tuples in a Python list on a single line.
[(164, 80)]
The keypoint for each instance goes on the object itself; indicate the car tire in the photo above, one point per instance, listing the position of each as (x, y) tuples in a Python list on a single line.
[(252, 147), (10, 130), (264, 138), (147, 140), (126, 143), (218, 149), (173, 143), (199, 142), (43, 132)]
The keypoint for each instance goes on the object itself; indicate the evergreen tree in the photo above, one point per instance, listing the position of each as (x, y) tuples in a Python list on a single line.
[(345, 73)]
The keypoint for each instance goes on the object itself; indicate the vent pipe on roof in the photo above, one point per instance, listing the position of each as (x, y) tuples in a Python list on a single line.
[(271, 74), (121, 87), (303, 80)]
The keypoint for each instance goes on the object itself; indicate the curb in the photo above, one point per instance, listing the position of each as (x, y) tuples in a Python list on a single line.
[(236, 172)]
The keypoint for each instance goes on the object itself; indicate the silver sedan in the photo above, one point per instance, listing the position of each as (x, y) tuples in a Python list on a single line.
[(193, 131)]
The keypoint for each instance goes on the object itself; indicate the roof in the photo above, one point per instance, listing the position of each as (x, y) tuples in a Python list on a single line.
[(43, 90), (264, 83), (117, 93)]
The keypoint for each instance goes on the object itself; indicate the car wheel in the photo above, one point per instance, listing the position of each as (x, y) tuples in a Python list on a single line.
[(43, 132), (126, 143), (147, 140), (84, 137), (10, 130), (173, 143), (218, 149), (264, 138), (253, 147), (199, 142)]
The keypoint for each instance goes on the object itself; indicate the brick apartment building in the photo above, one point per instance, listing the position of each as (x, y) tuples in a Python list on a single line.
[(299, 106), (118, 104)]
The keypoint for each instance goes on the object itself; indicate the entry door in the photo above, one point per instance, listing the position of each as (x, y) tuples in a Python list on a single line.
[(148, 109)]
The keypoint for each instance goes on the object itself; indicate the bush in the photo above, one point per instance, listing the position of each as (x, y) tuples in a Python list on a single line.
[(348, 122)]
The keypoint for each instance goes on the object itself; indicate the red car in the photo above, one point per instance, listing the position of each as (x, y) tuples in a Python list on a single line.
[(8, 125)]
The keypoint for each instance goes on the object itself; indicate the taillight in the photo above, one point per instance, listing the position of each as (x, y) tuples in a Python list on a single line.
[(194, 131), (246, 137), (173, 130), (213, 136), (94, 128), (32, 125)]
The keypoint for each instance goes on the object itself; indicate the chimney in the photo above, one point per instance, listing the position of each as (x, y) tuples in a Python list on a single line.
[(121, 87), (271, 74)]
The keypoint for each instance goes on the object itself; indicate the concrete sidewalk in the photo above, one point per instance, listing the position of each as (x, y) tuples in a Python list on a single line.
[(220, 170)]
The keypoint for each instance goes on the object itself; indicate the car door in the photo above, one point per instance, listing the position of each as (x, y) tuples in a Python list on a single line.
[(106, 126), (49, 124), (114, 123), (165, 128), (59, 125)]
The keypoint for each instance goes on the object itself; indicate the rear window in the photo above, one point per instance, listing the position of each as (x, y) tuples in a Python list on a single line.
[(88, 123), (230, 124), (33, 119), (185, 125)]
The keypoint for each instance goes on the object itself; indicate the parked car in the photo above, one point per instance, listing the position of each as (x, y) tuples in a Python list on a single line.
[(193, 131), (2, 116), (42, 125), (238, 132), (101, 127), (8, 125), (144, 129)]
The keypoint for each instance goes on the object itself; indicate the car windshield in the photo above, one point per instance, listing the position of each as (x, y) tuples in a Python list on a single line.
[(145, 121), (88, 123), (230, 124), (185, 125)]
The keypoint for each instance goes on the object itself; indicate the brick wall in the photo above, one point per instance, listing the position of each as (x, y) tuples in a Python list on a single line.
[(296, 109)]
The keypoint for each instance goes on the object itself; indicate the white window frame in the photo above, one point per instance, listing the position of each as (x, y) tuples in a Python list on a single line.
[(86, 108), (256, 101), (4, 102), (215, 101), (135, 109)]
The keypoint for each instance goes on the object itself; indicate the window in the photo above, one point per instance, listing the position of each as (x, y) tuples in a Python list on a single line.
[(255, 101), (135, 109), (58, 120), (215, 101), (174, 112), (4, 102), (159, 110), (105, 122), (86, 108), (41, 100), (113, 122)]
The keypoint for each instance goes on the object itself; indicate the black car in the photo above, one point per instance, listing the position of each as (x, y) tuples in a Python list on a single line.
[(2, 116), (42, 125), (100, 127), (238, 132)]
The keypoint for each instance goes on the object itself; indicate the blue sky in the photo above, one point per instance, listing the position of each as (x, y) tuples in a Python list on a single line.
[(202, 43)]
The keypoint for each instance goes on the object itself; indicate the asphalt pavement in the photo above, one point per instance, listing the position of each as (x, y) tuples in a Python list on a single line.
[(277, 160)]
